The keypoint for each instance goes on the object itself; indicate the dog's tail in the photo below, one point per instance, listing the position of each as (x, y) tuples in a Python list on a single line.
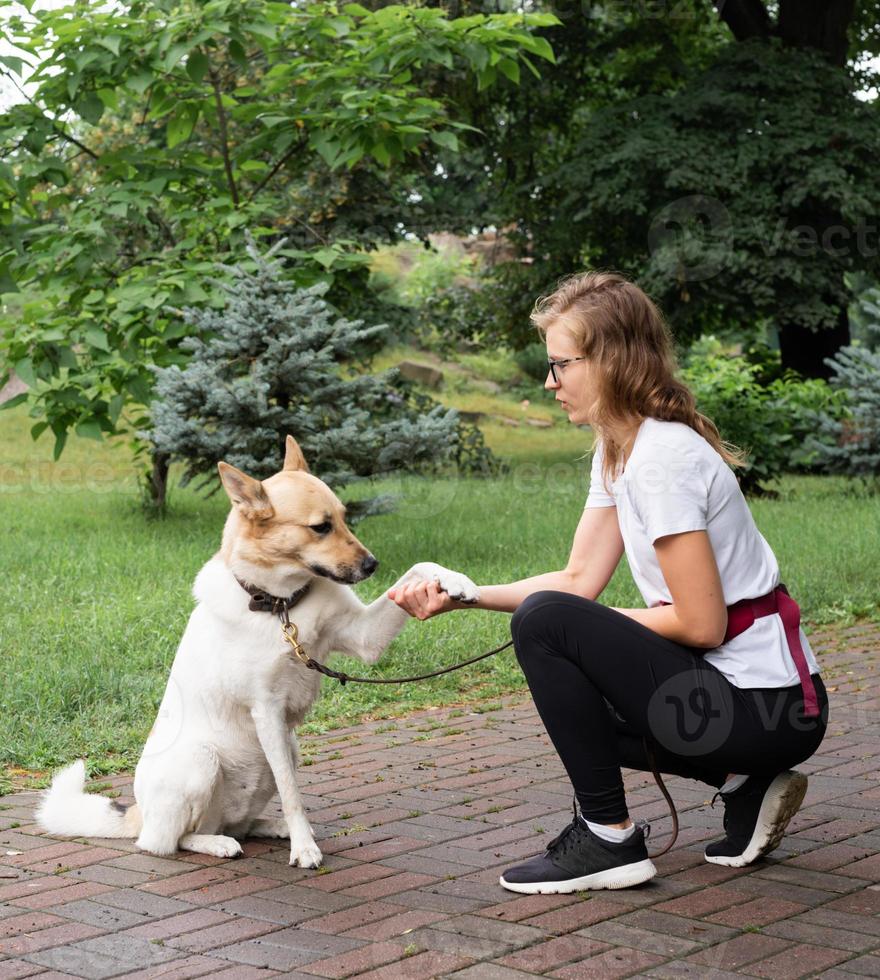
[(66, 809)]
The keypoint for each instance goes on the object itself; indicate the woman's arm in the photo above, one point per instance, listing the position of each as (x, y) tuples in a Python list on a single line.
[(595, 553), (698, 614)]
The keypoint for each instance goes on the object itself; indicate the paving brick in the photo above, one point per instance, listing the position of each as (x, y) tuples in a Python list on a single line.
[(545, 956), (802, 931), (431, 900), (488, 971), (527, 906), (389, 887), (473, 947), (78, 962), (17, 969), (666, 923), (869, 868), (233, 930), (395, 925), (287, 949), (57, 896), (358, 960), (800, 961), (863, 966), (70, 932), (222, 891), (348, 877), (108, 874), (865, 902), (24, 922), (571, 917), (199, 966), (188, 881), (177, 925), (77, 859), (820, 880), (617, 933), (704, 901), (511, 933), (831, 857), (757, 912), (135, 953), (835, 919), (423, 966), (739, 951), (309, 898), (613, 963), (257, 907), (93, 913)]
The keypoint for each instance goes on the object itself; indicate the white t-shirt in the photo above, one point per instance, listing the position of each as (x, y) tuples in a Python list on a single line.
[(674, 481)]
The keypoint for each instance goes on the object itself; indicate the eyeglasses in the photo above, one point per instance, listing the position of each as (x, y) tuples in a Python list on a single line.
[(560, 363)]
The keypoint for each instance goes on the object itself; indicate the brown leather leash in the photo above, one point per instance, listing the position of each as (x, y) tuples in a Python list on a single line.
[(263, 602)]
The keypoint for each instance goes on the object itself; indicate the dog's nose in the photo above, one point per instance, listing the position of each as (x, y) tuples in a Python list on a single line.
[(369, 565)]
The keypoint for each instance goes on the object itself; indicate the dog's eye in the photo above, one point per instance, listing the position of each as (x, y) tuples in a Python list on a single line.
[(324, 528)]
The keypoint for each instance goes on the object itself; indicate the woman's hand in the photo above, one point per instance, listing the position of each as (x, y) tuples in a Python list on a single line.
[(423, 599)]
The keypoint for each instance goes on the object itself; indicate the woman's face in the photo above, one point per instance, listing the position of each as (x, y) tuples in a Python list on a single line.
[(574, 389)]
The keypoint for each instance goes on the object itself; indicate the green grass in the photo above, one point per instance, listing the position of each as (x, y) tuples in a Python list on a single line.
[(95, 596)]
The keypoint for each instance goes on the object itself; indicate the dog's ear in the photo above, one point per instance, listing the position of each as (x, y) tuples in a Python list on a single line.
[(293, 456), (246, 493)]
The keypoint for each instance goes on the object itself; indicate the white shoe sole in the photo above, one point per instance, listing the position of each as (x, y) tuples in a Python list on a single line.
[(625, 876), (781, 802)]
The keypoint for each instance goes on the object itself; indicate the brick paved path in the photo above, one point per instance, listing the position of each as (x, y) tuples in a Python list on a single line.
[(417, 818)]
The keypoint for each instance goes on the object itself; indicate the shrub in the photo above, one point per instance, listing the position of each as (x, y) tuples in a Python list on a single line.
[(280, 359), (532, 360), (772, 421), (849, 442)]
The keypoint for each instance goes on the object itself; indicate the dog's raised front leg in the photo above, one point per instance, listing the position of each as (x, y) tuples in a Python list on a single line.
[(274, 738), (366, 630)]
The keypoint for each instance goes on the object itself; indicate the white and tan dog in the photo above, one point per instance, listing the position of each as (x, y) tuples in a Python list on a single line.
[(224, 739)]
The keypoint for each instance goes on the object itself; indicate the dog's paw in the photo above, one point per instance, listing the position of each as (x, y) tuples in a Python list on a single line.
[(454, 584), (306, 855), (221, 846), (458, 586), (269, 828)]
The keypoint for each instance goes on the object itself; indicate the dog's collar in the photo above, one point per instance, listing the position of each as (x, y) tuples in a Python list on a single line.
[(262, 601)]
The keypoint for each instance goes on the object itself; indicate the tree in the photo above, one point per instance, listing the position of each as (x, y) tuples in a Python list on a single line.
[(158, 130), (720, 201), (662, 133), (279, 361)]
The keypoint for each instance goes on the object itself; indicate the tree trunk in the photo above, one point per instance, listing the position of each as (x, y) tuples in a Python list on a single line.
[(157, 482), (805, 350)]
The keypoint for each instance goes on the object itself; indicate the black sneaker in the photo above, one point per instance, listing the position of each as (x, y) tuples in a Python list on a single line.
[(578, 860), (755, 817)]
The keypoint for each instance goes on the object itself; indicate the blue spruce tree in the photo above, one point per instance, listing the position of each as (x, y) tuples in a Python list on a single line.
[(279, 359), (851, 444)]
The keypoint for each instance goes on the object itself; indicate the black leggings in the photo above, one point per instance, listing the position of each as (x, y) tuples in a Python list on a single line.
[(602, 682)]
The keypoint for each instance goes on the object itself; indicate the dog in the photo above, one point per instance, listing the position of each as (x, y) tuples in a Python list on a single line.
[(224, 739)]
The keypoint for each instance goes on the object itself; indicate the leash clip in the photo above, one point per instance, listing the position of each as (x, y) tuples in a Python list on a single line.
[(291, 634)]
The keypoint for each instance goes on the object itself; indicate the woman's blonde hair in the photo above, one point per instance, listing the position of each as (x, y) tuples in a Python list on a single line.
[(617, 326)]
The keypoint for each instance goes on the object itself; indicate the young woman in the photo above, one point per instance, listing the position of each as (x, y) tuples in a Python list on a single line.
[(715, 678)]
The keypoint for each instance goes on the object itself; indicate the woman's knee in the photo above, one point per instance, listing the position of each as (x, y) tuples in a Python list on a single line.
[(539, 616)]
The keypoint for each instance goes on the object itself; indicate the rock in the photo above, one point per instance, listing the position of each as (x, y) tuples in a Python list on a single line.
[(423, 374), (539, 423)]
